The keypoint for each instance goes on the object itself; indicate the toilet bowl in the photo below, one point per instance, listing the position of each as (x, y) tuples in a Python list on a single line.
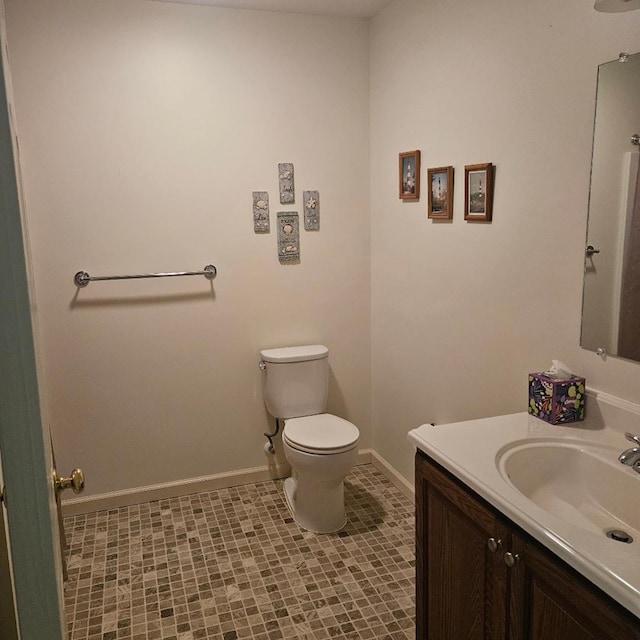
[(321, 450), (320, 447)]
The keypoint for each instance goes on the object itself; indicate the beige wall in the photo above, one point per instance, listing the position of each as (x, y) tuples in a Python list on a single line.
[(143, 128), (461, 312)]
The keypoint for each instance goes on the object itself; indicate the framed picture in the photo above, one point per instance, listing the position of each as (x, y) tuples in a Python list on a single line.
[(410, 175), (440, 201), (478, 191)]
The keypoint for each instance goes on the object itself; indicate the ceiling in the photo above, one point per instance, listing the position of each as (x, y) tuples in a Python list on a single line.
[(352, 8)]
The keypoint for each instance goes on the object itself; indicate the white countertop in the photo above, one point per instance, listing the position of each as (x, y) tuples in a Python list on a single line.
[(470, 450)]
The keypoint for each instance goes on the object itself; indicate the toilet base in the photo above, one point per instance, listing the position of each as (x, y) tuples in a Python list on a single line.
[(324, 514)]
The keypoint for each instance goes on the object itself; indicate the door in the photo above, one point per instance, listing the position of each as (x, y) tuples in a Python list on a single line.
[(8, 625), (26, 461)]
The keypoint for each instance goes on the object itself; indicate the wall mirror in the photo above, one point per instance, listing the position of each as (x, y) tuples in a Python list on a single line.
[(611, 297)]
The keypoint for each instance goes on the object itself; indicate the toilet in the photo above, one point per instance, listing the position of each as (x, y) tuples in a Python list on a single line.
[(320, 447)]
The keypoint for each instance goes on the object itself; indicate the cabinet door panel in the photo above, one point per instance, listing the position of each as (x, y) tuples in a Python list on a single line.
[(550, 601), (461, 592), (456, 585), (549, 620)]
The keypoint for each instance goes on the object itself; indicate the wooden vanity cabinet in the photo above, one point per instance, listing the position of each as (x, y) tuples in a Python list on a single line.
[(466, 591)]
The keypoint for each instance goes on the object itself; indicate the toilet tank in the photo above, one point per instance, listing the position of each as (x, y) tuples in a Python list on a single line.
[(296, 380)]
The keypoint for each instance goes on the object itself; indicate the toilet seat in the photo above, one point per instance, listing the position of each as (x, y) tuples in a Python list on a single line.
[(323, 434)]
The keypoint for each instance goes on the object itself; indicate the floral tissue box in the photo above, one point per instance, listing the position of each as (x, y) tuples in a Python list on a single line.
[(556, 400)]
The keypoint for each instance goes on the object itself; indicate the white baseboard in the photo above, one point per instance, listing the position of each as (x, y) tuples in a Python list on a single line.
[(364, 457), (125, 498), (397, 480)]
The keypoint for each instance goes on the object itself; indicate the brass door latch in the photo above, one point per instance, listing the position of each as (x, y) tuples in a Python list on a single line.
[(74, 482)]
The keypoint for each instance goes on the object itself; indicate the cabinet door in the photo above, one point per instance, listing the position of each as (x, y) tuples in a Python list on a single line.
[(550, 601), (461, 584)]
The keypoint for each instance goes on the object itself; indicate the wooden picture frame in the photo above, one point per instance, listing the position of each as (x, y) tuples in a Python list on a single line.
[(478, 192), (409, 178), (440, 200)]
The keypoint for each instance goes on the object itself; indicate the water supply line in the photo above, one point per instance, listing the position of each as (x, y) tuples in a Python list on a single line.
[(270, 436)]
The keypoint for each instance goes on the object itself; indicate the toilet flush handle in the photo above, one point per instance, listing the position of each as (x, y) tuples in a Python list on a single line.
[(262, 365)]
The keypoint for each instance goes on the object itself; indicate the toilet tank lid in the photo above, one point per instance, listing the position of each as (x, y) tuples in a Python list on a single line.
[(295, 354)]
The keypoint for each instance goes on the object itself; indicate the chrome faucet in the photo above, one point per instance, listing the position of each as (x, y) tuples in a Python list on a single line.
[(631, 457)]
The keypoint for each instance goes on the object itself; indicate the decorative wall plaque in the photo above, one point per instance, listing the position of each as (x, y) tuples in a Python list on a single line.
[(285, 180), (311, 200), (288, 237), (261, 212)]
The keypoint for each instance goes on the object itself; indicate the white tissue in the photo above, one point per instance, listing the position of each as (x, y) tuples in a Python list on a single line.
[(559, 370), (267, 449)]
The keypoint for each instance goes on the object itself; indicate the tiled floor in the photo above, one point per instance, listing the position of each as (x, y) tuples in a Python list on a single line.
[(233, 564)]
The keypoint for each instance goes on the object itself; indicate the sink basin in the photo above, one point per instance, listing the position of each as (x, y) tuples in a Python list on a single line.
[(582, 485)]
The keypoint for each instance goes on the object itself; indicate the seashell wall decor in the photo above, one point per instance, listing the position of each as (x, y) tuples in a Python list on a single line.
[(261, 222), (311, 201), (288, 237), (285, 181)]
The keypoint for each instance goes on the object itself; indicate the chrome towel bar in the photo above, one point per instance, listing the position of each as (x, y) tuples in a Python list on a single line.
[(82, 278)]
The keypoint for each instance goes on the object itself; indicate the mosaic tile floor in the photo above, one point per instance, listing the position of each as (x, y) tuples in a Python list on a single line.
[(232, 564)]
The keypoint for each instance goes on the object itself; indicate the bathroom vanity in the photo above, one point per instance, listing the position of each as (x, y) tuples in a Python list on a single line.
[(511, 523)]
